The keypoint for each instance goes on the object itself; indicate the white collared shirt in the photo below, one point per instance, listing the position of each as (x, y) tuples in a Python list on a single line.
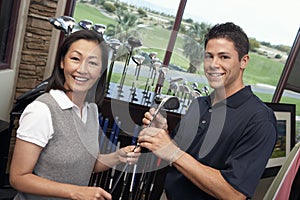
[(36, 122)]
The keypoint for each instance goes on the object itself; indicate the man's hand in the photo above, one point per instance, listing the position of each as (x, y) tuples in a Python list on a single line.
[(158, 122), (159, 142)]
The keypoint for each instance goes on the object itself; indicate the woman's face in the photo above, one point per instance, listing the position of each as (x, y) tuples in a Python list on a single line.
[(82, 66)]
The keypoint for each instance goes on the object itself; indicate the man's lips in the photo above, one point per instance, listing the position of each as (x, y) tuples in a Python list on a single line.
[(214, 74)]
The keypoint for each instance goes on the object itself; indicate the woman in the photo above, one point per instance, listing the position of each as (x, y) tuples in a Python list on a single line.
[(57, 148)]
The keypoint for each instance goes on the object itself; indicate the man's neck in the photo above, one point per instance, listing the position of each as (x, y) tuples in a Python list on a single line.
[(221, 94)]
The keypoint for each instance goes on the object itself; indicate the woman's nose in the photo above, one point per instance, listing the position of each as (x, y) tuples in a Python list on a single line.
[(82, 68)]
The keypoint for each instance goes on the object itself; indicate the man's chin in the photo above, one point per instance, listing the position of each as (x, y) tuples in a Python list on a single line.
[(216, 85)]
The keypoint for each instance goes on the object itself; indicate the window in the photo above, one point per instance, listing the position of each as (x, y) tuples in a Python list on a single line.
[(8, 19)]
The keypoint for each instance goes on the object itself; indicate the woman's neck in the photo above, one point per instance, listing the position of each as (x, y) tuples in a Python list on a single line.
[(77, 98)]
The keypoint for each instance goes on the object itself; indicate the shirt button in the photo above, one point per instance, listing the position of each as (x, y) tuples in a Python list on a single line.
[(203, 121), (210, 110)]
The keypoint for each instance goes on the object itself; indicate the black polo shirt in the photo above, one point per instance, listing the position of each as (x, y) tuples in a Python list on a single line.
[(235, 136)]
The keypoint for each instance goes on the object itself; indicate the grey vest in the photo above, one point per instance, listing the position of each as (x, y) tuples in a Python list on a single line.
[(70, 155)]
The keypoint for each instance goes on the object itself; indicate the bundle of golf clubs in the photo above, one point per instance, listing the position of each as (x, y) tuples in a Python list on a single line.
[(68, 25), (185, 91), (177, 87), (130, 182)]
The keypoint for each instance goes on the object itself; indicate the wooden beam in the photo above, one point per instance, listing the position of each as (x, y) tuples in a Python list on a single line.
[(172, 40)]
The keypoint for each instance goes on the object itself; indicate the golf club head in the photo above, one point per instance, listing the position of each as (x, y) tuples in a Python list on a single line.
[(57, 24), (134, 42), (163, 71), (70, 23), (174, 86), (138, 59), (156, 65), (168, 103), (195, 85), (86, 24), (184, 88), (196, 93), (99, 28), (171, 103), (114, 44), (205, 89), (175, 79), (153, 55)]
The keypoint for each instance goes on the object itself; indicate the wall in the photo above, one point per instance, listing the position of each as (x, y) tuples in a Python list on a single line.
[(6, 91), (8, 76), (33, 52), (35, 38)]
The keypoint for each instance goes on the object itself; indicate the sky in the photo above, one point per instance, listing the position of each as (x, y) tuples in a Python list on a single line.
[(271, 21)]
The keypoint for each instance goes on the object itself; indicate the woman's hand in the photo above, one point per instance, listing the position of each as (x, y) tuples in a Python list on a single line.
[(91, 193), (158, 122), (129, 154)]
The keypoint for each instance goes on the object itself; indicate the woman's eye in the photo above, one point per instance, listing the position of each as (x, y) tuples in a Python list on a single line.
[(94, 64), (75, 58)]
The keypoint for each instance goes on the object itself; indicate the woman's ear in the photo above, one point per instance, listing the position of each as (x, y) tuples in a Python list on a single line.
[(61, 64), (244, 61)]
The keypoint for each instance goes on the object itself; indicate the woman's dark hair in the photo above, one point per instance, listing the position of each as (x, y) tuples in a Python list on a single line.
[(231, 32), (57, 78)]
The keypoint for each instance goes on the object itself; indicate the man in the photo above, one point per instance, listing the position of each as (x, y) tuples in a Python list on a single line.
[(220, 148)]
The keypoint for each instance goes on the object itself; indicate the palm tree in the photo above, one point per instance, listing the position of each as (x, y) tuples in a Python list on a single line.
[(193, 45), (125, 27)]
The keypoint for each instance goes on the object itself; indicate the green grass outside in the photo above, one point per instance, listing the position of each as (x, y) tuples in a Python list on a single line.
[(262, 70), (155, 38), (87, 12)]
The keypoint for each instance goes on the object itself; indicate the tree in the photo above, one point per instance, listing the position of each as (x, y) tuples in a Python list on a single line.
[(189, 20), (254, 44), (142, 12), (125, 26), (109, 7), (193, 45)]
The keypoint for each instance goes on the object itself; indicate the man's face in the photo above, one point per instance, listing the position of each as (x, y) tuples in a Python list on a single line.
[(222, 66)]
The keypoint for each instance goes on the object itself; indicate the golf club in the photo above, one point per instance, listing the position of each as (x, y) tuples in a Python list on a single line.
[(169, 103), (85, 24), (114, 44), (99, 28)]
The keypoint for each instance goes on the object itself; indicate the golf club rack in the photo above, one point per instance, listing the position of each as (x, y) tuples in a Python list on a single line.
[(122, 111)]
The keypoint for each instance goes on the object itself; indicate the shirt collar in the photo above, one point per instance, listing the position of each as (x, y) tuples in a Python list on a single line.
[(63, 100), (236, 99)]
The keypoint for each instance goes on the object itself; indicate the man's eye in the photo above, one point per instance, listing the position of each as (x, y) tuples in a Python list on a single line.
[(208, 56), (225, 57)]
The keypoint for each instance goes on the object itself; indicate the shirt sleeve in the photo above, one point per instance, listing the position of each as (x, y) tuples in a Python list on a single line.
[(247, 162), (35, 124)]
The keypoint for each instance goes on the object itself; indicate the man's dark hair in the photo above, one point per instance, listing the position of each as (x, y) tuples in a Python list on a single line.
[(231, 32), (57, 78)]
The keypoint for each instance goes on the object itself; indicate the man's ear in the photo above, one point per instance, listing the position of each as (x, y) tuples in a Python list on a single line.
[(244, 61)]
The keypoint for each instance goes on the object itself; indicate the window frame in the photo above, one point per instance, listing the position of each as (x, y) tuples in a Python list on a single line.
[(9, 33)]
